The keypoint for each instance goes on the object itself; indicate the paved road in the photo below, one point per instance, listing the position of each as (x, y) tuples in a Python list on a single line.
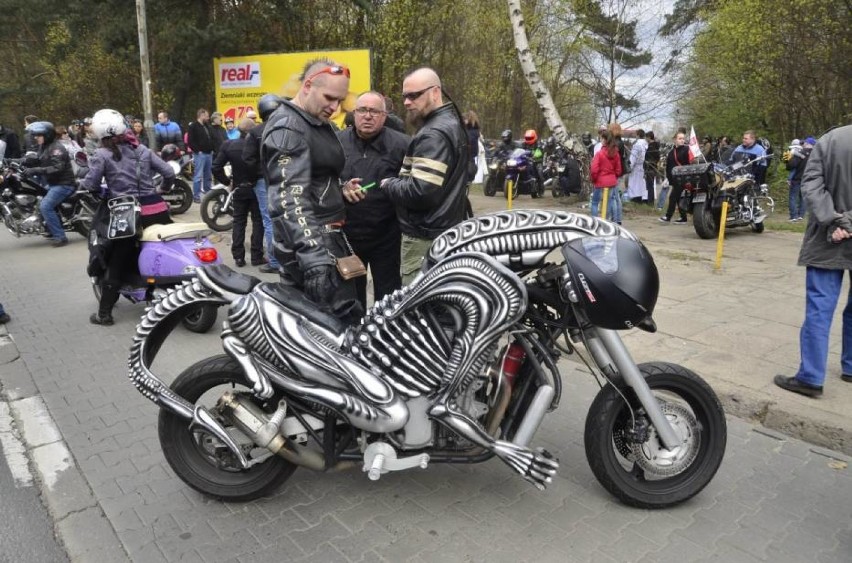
[(26, 529), (774, 498)]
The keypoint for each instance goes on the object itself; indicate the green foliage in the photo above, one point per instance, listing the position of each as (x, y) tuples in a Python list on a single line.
[(788, 76)]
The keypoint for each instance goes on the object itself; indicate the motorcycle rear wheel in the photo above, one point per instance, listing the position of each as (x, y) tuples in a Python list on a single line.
[(704, 221), (196, 457), (646, 475), (200, 320), (213, 211), (183, 204)]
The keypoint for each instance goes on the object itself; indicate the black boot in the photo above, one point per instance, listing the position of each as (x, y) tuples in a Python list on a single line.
[(109, 295)]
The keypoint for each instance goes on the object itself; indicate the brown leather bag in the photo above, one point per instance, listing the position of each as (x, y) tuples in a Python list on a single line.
[(351, 267)]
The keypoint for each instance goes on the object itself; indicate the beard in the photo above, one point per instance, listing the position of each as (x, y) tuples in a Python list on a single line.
[(415, 119)]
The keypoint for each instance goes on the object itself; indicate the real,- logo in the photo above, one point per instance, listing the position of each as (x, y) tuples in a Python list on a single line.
[(239, 75)]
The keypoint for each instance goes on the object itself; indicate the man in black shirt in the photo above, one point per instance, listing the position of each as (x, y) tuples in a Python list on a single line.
[(373, 151), (200, 142)]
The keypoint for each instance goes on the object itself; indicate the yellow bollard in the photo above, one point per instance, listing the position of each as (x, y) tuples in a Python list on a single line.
[(721, 242), (604, 203), (509, 193)]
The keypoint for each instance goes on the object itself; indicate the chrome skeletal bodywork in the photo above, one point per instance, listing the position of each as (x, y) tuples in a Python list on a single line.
[(408, 374)]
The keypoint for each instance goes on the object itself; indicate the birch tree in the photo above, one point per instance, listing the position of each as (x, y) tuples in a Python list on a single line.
[(537, 85)]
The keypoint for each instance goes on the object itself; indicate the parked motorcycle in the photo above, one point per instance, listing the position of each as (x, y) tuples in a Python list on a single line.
[(168, 257), (217, 208), (20, 199), (458, 367), (179, 196), (708, 185), (521, 176)]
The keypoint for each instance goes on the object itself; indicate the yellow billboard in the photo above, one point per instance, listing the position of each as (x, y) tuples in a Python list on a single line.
[(240, 81)]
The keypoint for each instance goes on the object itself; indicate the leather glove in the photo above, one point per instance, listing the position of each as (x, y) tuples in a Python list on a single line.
[(320, 283)]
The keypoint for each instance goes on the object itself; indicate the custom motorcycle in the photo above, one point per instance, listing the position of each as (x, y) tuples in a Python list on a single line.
[(708, 185), (20, 199), (562, 173), (460, 366)]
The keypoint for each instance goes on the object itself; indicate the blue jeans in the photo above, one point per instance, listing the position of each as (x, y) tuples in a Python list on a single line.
[(263, 201), (822, 292), (202, 175), (55, 196), (614, 200), (797, 205)]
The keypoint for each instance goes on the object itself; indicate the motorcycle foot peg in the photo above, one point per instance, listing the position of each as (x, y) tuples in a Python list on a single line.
[(380, 457)]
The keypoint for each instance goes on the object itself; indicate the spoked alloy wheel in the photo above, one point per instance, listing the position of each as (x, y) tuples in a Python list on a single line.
[(643, 473), (201, 460)]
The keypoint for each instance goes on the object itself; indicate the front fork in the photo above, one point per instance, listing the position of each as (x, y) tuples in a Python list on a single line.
[(612, 356)]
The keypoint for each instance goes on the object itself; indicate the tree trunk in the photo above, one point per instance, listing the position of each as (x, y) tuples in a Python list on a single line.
[(537, 85)]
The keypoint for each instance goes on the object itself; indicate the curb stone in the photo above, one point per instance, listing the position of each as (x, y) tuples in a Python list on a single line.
[(79, 523)]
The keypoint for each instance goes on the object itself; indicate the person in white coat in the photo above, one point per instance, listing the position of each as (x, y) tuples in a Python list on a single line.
[(636, 188)]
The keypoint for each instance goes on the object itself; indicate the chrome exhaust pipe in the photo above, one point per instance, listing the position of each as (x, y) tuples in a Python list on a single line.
[(265, 430)]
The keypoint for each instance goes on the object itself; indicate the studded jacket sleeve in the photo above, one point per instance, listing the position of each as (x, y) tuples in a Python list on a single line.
[(287, 158)]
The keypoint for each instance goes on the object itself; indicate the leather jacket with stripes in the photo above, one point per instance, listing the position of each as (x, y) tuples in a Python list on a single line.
[(431, 188)]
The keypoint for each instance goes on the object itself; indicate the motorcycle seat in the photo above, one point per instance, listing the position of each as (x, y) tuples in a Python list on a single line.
[(231, 280), (293, 299), (173, 231)]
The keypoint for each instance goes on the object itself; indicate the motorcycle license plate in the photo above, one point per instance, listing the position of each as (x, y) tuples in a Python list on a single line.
[(699, 198)]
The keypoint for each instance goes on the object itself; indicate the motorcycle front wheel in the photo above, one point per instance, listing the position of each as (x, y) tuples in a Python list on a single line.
[(758, 227), (704, 221), (198, 458), (213, 210), (490, 187), (624, 450)]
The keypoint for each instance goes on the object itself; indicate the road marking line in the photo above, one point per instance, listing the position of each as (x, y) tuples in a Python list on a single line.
[(14, 450)]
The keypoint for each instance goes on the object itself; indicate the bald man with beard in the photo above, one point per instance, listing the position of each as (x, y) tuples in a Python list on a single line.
[(430, 191)]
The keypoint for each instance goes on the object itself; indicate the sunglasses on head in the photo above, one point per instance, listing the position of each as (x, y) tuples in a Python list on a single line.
[(336, 70), (411, 96)]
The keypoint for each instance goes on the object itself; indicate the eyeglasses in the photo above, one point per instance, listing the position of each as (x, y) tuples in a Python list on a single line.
[(373, 112), (336, 70), (411, 96)]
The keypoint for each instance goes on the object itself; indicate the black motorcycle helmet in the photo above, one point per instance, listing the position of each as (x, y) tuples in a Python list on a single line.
[(615, 281), (170, 152), (267, 104), (506, 135), (44, 128)]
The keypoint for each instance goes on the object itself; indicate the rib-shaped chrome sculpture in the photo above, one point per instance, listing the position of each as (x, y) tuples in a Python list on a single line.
[(427, 340)]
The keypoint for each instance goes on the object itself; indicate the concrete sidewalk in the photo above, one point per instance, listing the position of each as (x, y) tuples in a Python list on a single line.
[(737, 326)]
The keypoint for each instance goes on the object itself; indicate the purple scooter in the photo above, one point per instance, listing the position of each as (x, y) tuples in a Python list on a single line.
[(168, 257)]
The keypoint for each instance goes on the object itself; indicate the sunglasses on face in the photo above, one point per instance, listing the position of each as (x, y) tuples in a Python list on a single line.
[(333, 70), (411, 96), (372, 112)]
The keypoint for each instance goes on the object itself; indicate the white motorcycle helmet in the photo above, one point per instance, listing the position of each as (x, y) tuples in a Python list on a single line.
[(108, 123)]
